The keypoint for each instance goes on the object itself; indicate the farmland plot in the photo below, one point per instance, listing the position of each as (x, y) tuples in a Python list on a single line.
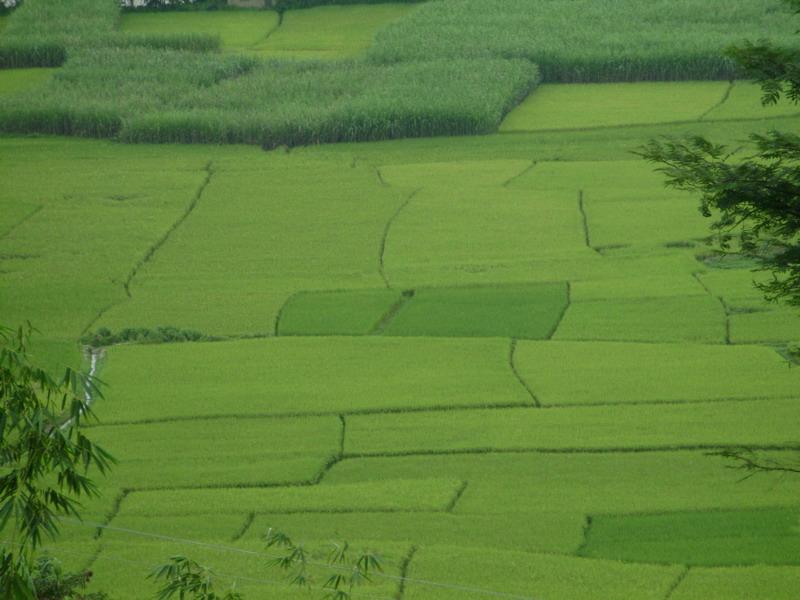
[(501, 361), (581, 106), (314, 33), (327, 32), (567, 373), (238, 31), (13, 81), (306, 376), (406, 438)]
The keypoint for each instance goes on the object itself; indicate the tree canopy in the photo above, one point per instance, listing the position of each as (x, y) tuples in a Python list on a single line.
[(755, 198)]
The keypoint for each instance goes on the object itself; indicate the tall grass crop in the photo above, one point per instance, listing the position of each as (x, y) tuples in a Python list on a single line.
[(170, 96), (42, 33), (588, 40)]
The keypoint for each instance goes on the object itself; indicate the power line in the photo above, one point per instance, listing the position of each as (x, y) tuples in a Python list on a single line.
[(223, 548)]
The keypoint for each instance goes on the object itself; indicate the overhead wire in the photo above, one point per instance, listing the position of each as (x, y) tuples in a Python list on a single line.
[(244, 551)]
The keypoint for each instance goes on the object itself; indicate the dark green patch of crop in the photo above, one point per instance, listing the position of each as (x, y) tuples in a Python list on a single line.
[(529, 311), (707, 538)]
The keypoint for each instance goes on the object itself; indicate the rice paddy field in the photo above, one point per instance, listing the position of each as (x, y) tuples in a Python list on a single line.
[(507, 362)]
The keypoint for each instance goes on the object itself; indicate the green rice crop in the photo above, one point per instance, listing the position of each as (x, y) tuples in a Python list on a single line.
[(510, 486), (581, 106), (355, 312), (412, 494), (558, 532), (236, 30), (127, 560), (534, 575), (647, 277), (741, 423), (638, 222), (105, 204), (709, 538), (305, 375), (329, 31), (222, 240), (744, 101), (16, 80), (597, 372), (462, 173), (589, 40), (765, 326), (520, 311), (435, 240), (316, 232), (677, 319), (601, 180), (246, 452), (739, 583)]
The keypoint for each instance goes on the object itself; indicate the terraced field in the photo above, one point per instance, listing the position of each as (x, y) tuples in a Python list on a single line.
[(504, 361)]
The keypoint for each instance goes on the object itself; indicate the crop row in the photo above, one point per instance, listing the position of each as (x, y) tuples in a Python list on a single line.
[(142, 95), (588, 40)]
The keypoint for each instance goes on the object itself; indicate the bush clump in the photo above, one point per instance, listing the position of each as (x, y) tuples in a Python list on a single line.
[(142, 335)]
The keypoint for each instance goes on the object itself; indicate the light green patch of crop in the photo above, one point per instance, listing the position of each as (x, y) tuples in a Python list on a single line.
[(737, 286), (13, 81), (744, 102), (739, 583), (335, 313), (305, 375), (581, 106), (598, 372), (14, 213), (708, 538), (222, 528), (464, 174), (520, 311), (125, 562), (237, 30), (387, 495), (289, 225), (564, 146), (645, 277), (326, 32), (600, 180), (483, 235), (637, 222), (533, 575), (511, 486), (698, 319), (770, 325), (559, 532), (96, 205), (741, 423), (246, 452)]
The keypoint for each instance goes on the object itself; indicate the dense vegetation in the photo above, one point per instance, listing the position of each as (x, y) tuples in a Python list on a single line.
[(588, 40), (508, 362), (143, 96), (45, 33), (425, 75)]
